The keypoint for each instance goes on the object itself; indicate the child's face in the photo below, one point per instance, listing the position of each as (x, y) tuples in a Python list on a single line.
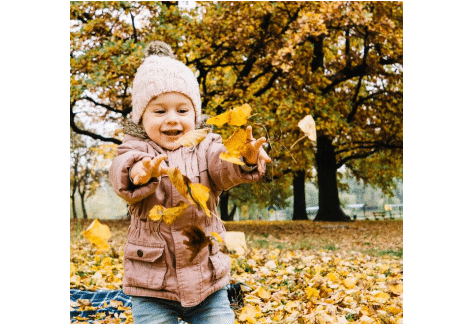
[(168, 117)]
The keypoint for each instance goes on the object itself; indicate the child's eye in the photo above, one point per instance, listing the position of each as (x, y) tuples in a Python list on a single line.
[(183, 110), (159, 111)]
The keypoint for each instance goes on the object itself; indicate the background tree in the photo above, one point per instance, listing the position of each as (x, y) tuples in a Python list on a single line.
[(341, 62), (88, 169)]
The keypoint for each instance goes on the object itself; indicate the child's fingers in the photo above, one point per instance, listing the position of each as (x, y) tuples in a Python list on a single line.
[(156, 163), (264, 156), (259, 143), (249, 134), (146, 162)]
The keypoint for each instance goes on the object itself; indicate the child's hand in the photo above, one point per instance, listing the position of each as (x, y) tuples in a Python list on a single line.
[(146, 169), (253, 152)]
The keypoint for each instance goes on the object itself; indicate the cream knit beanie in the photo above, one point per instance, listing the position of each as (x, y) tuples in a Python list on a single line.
[(160, 73)]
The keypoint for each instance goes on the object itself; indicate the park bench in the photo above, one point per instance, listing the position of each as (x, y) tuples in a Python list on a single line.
[(379, 215)]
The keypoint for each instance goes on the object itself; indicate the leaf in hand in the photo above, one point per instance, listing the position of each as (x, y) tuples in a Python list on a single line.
[(237, 116), (235, 145), (197, 240), (307, 125), (168, 215), (197, 194), (98, 234), (194, 137)]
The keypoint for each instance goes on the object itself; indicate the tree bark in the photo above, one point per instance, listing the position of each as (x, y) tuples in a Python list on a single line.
[(224, 197), (82, 203), (74, 212), (329, 203), (298, 185)]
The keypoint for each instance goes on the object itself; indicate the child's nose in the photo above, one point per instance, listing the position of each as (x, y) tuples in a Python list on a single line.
[(172, 117)]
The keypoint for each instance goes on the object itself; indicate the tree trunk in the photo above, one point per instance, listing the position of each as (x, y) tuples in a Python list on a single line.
[(231, 216), (74, 212), (224, 197), (82, 203), (298, 185), (329, 203)]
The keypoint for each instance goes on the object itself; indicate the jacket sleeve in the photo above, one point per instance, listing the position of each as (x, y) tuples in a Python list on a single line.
[(128, 154), (226, 175)]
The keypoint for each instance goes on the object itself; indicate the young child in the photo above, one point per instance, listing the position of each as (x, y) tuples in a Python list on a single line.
[(164, 282)]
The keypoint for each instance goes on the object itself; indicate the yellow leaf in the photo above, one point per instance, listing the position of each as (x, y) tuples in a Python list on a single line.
[(237, 116), (235, 145), (307, 125), (168, 215), (262, 293), (312, 292), (219, 120), (396, 289), (250, 313), (217, 236), (194, 137), (98, 234), (332, 276), (349, 282), (230, 158), (200, 194)]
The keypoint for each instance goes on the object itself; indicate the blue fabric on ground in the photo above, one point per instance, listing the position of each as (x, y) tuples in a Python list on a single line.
[(97, 299)]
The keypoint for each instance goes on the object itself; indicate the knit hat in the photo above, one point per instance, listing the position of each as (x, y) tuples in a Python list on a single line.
[(160, 73)]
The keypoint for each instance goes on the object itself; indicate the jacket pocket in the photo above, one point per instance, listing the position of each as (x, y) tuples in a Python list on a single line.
[(220, 262), (144, 266)]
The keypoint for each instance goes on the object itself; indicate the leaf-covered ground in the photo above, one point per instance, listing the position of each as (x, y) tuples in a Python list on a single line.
[(298, 271)]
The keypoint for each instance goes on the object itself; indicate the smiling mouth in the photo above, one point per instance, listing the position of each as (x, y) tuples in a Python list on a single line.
[(172, 132)]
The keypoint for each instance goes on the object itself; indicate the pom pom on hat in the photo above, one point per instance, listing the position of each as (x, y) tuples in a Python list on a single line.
[(158, 48), (160, 73)]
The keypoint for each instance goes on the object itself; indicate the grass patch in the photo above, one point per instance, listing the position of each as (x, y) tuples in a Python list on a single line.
[(330, 247), (396, 253)]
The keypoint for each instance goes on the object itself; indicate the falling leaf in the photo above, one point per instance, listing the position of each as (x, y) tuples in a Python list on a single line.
[(200, 194), (196, 193), (217, 236), (197, 240), (237, 116), (168, 215), (307, 125), (235, 145), (194, 137), (98, 234)]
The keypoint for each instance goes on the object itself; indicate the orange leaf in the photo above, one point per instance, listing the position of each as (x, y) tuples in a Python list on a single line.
[(98, 234)]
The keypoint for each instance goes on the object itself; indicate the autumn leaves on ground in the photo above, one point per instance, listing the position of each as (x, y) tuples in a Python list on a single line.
[(297, 271)]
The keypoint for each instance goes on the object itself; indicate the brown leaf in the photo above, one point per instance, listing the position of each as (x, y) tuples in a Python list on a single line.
[(197, 240)]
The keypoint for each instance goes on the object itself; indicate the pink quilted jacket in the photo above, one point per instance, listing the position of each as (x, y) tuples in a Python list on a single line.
[(156, 261)]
